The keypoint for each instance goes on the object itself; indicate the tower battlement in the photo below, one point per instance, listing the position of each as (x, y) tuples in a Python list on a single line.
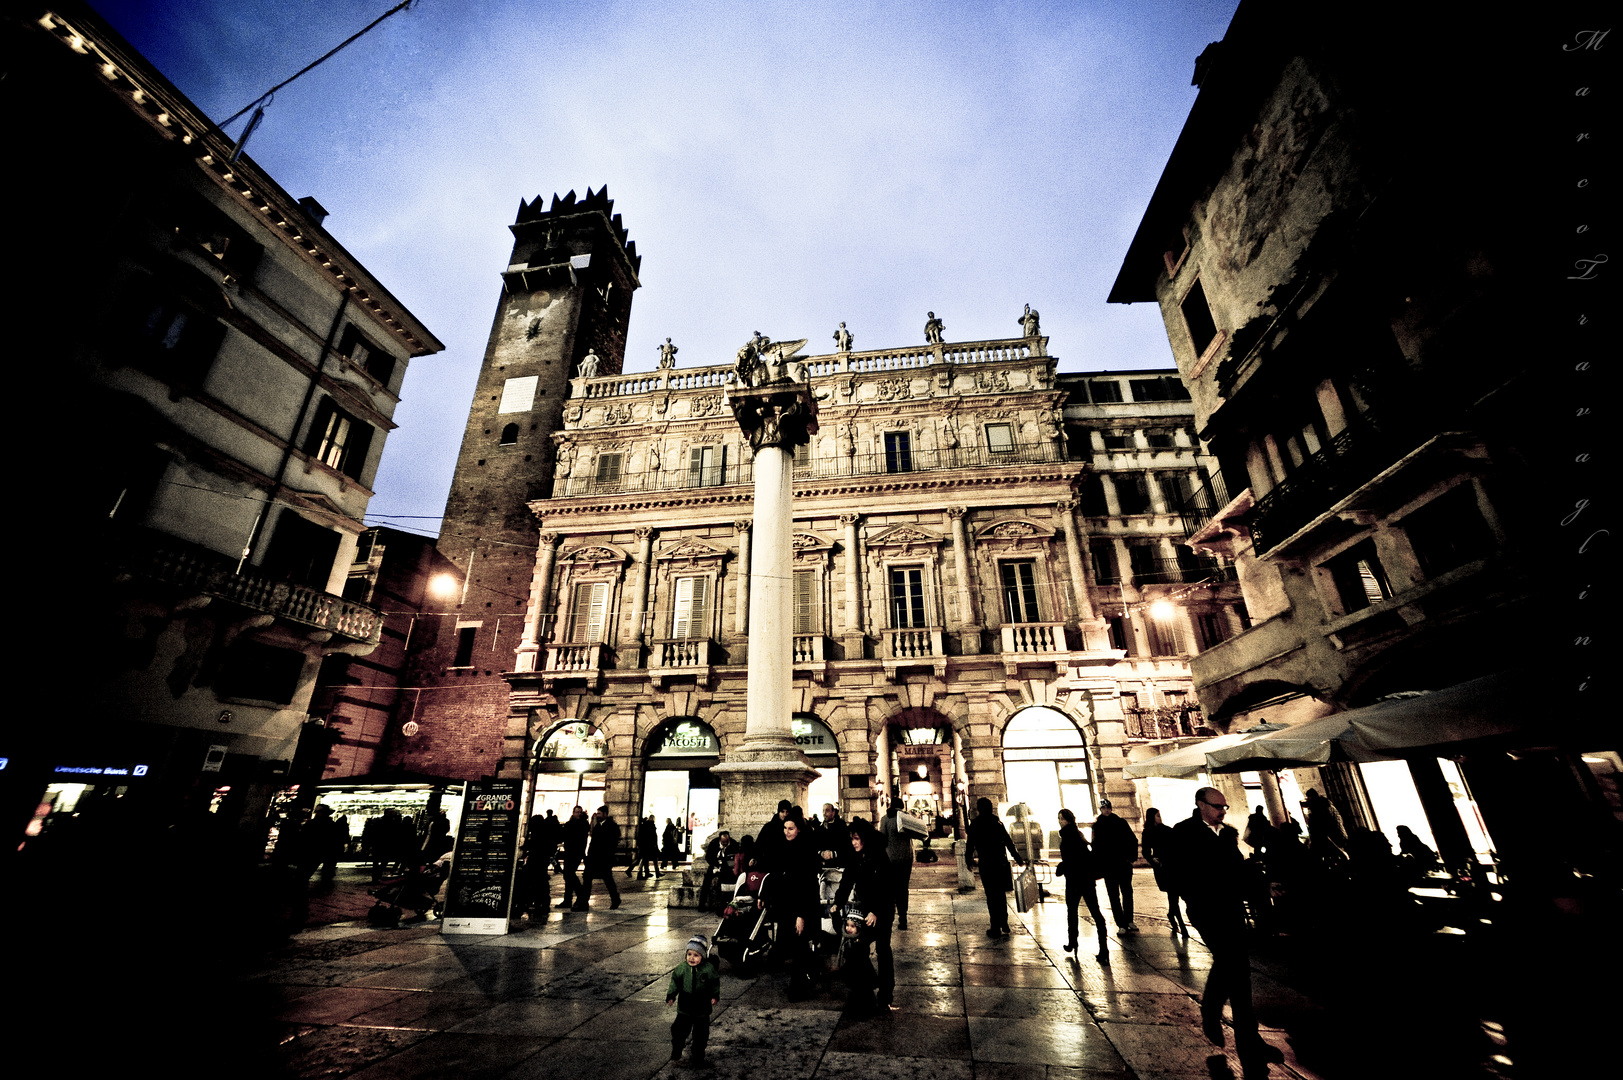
[(536, 211)]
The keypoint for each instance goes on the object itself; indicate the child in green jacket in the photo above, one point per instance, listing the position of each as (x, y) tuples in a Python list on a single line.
[(695, 988)]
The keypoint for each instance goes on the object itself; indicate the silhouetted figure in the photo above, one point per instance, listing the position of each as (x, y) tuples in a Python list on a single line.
[(575, 833), (990, 839), (867, 871), (600, 853), (1080, 869), (1157, 845), (1116, 849)]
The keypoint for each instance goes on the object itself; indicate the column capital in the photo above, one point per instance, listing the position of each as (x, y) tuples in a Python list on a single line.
[(956, 513), (1065, 506), (742, 527), (550, 539), (642, 532), (850, 519)]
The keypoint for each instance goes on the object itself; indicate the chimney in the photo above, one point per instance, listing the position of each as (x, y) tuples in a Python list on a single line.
[(317, 212)]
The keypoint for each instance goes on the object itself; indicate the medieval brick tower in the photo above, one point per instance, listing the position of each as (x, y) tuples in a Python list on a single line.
[(566, 292)]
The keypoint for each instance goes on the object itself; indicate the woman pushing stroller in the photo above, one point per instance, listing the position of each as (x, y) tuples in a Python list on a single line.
[(867, 873)]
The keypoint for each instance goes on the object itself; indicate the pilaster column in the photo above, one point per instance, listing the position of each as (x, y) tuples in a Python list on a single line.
[(639, 597), (742, 530), (1107, 484), (1158, 499), (971, 629), (540, 593), (854, 635), (1073, 554)]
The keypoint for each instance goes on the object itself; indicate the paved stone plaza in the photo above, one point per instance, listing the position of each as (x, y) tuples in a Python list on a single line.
[(582, 995)]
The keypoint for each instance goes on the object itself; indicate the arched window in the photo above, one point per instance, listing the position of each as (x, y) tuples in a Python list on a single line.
[(509, 435), (1045, 766)]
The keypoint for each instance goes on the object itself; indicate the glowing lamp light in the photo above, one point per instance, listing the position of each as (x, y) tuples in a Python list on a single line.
[(442, 586), (1162, 610)]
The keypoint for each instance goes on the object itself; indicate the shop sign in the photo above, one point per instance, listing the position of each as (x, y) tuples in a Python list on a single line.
[(480, 891), (93, 772), (689, 738), (575, 747)]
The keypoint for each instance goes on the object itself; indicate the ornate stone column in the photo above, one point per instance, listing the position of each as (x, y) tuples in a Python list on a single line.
[(855, 638), (1094, 635), (774, 406), (639, 596), (742, 528), (967, 610), (540, 592)]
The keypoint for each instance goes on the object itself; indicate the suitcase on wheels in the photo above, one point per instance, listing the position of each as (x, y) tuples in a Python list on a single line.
[(1026, 890)]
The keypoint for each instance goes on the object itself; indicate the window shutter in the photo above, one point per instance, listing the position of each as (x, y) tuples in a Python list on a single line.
[(359, 442), (696, 466), (608, 468), (689, 618), (806, 602), (591, 598)]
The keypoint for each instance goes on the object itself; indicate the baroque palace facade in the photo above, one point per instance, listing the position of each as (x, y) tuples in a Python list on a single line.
[(975, 535)]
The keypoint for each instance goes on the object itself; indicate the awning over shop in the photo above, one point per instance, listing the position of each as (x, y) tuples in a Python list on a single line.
[(1188, 762), (1316, 742), (1501, 704)]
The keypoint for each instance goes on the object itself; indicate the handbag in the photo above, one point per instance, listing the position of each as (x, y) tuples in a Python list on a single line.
[(1026, 890)]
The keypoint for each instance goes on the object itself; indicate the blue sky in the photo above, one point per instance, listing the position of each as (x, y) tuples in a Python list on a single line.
[(781, 166)]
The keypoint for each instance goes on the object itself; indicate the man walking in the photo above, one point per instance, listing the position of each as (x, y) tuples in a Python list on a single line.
[(605, 842), (1210, 872), (574, 833), (1116, 848), (899, 850)]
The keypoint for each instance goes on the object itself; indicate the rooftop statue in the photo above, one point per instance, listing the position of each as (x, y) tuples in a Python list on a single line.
[(667, 355), (1029, 321), (588, 365), (842, 339), (933, 329)]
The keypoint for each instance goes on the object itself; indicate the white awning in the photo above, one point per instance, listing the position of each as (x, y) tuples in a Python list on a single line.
[(1188, 762), (1316, 742), (1502, 704)]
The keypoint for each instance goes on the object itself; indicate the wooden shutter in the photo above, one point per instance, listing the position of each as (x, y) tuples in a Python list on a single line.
[(689, 619), (806, 602), (591, 602)]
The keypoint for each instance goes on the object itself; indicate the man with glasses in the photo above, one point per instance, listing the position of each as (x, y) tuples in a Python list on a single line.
[(1210, 872)]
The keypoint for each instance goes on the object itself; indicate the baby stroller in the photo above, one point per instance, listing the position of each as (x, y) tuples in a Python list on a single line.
[(415, 889), (745, 934)]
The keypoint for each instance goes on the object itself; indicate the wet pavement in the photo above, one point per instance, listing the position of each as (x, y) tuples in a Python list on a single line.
[(582, 995)]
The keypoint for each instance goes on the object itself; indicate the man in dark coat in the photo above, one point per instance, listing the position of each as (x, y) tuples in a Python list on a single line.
[(605, 843), (1210, 872), (1116, 848), (988, 839), (771, 833), (574, 833)]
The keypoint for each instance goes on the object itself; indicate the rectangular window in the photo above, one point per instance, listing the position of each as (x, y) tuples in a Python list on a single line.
[(466, 633), (1449, 531), (367, 356), (1197, 316), (1166, 637), (1160, 440), (1160, 388), (803, 459), (1104, 391), (1132, 492), (1020, 591), (300, 551), (588, 618), (1078, 442), (1146, 567), (1104, 562), (1121, 637), (518, 395), (1214, 629), (158, 333), (1118, 440), (690, 619), (1000, 438), (807, 616), (907, 597), (1359, 577), (706, 465), (607, 476), (898, 451), (338, 440), (1091, 496)]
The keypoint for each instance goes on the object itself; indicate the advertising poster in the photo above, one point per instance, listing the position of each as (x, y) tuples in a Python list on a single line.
[(481, 886)]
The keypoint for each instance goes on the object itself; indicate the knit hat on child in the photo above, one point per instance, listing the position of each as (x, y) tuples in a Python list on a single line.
[(700, 944)]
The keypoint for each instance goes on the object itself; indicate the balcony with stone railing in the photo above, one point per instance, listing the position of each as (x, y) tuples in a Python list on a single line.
[(690, 656), (923, 646), (1032, 642), (199, 570), (573, 661)]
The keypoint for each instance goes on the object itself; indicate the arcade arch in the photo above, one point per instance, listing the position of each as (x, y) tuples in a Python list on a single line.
[(1046, 766)]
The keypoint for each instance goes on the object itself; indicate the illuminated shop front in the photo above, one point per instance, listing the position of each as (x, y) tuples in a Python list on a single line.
[(570, 764), (1045, 766), (677, 783)]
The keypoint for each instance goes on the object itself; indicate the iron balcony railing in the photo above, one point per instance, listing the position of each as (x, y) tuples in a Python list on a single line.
[(205, 572), (819, 468), (1200, 504), (1350, 459)]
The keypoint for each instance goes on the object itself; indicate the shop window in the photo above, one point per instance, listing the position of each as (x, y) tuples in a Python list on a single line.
[(690, 618), (1359, 577), (1449, 531), (1000, 438), (808, 617), (706, 465), (1197, 317), (588, 616), (898, 451), (509, 435), (339, 440), (907, 598), (257, 672), (466, 635), (1020, 591)]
